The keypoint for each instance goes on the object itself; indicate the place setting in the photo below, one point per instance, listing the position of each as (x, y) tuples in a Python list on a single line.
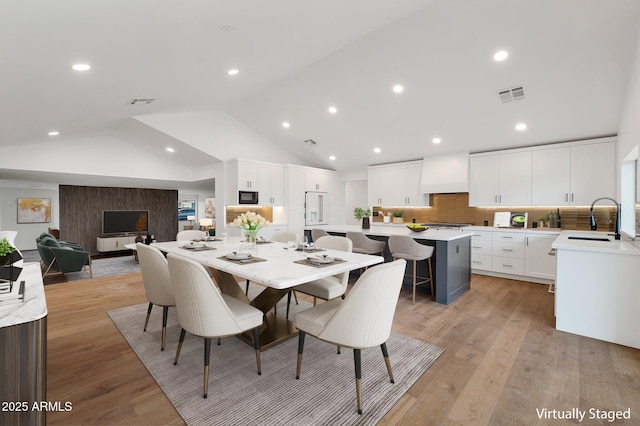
[(197, 246), (241, 258), (320, 260)]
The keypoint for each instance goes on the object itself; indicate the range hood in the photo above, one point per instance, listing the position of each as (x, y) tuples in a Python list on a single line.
[(445, 173)]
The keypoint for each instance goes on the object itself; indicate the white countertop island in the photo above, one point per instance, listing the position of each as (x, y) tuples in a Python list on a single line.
[(598, 287), (388, 230)]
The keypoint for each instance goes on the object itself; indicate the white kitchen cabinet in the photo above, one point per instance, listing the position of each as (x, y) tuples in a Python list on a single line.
[(500, 179), (482, 250), (538, 262), (271, 183), (380, 186), (573, 175), (396, 184), (316, 180), (407, 179), (248, 176)]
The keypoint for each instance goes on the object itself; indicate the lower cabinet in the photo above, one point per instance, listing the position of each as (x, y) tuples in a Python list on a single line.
[(513, 254), (105, 244)]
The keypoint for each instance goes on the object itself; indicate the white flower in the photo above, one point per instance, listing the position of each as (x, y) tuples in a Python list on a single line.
[(250, 221)]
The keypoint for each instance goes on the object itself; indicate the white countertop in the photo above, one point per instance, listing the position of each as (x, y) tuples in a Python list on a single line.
[(612, 246), (384, 230), (34, 306)]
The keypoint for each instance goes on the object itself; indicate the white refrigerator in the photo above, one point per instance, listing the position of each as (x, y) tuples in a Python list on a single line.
[(316, 208)]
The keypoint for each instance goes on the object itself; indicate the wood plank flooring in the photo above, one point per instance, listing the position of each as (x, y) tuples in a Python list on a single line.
[(503, 360)]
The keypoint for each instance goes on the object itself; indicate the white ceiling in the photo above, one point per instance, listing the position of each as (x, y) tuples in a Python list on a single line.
[(296, 58)]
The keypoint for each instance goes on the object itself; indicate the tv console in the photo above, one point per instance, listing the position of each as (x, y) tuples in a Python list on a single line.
[(114, 243)]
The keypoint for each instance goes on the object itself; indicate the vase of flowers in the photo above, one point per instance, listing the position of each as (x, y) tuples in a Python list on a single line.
[(250, 223), (5, 252)]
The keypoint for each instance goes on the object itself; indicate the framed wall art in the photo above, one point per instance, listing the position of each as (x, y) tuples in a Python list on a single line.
[(34, 210)]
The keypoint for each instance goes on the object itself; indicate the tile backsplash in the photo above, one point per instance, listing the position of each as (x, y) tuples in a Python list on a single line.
[(454, 208)]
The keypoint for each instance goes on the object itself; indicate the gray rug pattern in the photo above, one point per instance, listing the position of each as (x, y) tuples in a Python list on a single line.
[(324, 395)]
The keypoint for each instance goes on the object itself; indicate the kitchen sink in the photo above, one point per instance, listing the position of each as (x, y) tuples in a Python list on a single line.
[(589, 238)]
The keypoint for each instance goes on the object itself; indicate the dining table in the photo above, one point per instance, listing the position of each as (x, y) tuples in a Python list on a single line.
[(277, 266)]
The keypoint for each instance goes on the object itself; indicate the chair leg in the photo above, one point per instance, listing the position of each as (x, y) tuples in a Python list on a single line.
[(358, 365), (385, 354), (207, 356), (295, 296), (146, 322), (219, 341), (415, 272), (300, 348), (431, 278), (288, 303), (256, 345), (338, 349), (182, 333), (90, 269), (246, 292), (165, 314)]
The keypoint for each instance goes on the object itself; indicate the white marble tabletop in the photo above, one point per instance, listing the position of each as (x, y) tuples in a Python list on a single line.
[(442, 234), (279, 270), (34, 306)]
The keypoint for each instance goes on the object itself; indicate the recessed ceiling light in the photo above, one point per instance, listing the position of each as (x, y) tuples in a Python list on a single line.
[(333, 109), (500, 55), (398, 88), (233, 71), (377, 150), (521, 127), (169, 149), (286, 124), (81, 67), (332, 157), (436, 140), (53, 133)]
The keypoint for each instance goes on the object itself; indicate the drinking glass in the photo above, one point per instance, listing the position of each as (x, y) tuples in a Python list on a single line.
[(291, 247), (305, 241)]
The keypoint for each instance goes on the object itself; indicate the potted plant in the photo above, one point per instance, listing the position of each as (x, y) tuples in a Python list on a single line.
[(397, 217), (5, 252), (360, 213)]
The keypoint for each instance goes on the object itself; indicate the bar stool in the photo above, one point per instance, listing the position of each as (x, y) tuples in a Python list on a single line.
[(365, 245), (318, 233), (405, 247)]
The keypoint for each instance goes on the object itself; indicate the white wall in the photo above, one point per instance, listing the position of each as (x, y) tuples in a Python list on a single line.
[(10, 191), (629, 128), (355, 195)]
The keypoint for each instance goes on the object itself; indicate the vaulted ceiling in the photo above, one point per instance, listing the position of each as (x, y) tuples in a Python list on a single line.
[(295, 59)]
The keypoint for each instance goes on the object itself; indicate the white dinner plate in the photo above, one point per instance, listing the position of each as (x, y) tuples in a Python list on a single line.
[(321, 259), (238, 256), (194, 245)]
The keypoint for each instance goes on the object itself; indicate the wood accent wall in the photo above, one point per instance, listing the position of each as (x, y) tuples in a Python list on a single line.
[(81, 211), (454, 208)]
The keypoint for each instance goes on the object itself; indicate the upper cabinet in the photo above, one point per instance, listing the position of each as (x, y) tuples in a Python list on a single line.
[(500, 179), (396, 185), (573, 175), (264, 178)]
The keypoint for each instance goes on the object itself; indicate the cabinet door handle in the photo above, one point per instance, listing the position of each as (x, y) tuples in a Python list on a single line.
[(495, 199), (475, 261), (476, 247), (507, 237), (500, 198), (507, 249), (507, 266), (566, 196), (572, 197)]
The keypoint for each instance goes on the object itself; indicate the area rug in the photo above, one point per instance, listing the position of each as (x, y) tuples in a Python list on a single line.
[(324, 395)]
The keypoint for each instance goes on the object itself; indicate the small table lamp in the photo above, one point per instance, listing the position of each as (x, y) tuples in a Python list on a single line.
[(205, 224)]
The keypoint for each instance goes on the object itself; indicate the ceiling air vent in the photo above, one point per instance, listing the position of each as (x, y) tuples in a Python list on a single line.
[(511, 94), (311, 142), (136, 101)]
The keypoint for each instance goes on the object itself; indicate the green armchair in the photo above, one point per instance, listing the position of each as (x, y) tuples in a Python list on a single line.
[(62, 259)]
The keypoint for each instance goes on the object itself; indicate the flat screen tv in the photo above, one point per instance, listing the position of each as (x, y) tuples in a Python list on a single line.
[(125, 221)]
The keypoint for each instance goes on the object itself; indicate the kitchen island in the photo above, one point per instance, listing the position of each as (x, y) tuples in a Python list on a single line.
[(23, 332), (451, 259), (597, 287)]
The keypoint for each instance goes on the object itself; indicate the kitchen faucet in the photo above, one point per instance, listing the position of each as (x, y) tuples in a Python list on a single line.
[(592, 219)]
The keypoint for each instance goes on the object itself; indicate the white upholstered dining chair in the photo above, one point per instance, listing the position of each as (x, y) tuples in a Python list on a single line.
[(205, 312), (189, 235), (330, 287), (362, 320), (157, 284)]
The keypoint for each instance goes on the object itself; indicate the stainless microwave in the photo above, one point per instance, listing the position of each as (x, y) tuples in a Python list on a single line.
[(247, 197)]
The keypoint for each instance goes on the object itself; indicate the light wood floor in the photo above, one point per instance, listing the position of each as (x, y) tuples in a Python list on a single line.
[(503, 359)]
